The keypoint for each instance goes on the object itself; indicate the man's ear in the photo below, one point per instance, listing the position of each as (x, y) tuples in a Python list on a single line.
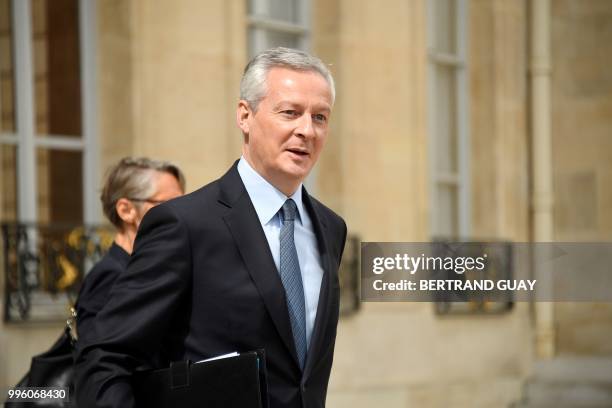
[(126, 210), (243, 114)]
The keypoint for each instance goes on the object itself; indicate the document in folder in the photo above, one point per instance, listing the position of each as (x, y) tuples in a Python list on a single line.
[(237, 381)]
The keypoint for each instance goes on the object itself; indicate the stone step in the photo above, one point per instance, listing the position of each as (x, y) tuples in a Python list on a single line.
[(569, 382), (533, 405), (574, 394), (574, 369)]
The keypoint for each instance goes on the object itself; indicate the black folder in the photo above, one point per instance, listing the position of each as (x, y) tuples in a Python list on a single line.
[(233, 382)]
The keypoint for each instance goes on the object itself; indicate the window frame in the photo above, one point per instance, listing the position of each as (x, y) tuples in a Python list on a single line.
[(461, 178), (25, 137), (260, 23)]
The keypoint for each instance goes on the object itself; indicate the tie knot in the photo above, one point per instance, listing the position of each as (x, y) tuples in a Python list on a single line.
[(288, 210)]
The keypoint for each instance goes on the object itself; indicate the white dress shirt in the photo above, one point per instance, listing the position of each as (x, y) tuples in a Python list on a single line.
[(267, 201)]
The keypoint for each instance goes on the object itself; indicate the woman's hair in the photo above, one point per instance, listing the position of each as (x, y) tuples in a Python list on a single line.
[(133, 178)]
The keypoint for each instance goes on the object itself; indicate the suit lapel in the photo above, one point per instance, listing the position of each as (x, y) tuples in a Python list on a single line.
[(251, 241), (252, 244), (323, 308)]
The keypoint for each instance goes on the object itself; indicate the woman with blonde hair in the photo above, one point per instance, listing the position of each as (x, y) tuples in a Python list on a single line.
[(132, 187)]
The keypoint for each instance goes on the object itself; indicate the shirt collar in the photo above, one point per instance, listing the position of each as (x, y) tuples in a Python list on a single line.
[(266, 198)]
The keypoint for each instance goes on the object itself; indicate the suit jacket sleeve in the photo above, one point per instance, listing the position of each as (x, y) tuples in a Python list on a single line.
[(94, 294), (141, 309)]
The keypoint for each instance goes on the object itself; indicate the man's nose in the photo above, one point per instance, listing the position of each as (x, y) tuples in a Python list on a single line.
[(304, 126)]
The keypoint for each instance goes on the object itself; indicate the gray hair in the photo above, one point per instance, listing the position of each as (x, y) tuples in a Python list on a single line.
[(133, 178), (253, 83)]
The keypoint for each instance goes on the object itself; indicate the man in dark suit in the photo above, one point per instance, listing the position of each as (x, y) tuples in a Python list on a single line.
[(248, 261)]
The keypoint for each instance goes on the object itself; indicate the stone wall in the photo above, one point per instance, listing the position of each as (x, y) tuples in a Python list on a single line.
[(582, 153), (168, 87)]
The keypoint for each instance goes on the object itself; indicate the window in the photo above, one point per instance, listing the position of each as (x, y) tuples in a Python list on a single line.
[(274, 23), (47, 121), (448, 118), (8, 140)]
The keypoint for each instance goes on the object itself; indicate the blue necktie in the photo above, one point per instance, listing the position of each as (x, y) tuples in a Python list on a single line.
[(292, 280)]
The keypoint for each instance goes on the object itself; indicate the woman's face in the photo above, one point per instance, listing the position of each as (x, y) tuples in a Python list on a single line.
[(167, 188)]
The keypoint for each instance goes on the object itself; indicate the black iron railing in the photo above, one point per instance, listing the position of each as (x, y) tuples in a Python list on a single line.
[(499, 267), (349, 276), (44, 266)]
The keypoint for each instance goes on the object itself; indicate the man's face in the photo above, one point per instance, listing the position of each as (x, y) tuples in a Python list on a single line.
[(284, 138)]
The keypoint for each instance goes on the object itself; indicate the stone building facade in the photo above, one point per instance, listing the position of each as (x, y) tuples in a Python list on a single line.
[(420, 84)]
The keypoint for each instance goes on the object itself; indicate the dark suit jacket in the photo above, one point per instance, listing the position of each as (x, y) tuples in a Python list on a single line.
[(202, 282), (96, 288)]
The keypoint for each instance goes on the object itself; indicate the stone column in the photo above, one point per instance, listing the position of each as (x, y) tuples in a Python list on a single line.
[(542, 204)]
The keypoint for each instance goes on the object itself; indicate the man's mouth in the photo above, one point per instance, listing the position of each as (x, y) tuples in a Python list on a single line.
[(298, 151)]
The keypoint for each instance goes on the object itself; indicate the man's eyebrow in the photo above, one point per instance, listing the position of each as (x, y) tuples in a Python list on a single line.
[(288, 104), (285, 104)]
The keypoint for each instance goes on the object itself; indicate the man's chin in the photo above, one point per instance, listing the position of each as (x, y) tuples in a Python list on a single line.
[(295, 172)]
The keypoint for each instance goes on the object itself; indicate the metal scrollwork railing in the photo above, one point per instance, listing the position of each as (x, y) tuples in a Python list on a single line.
[(500, 266), (349, 276), (44, 267)]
